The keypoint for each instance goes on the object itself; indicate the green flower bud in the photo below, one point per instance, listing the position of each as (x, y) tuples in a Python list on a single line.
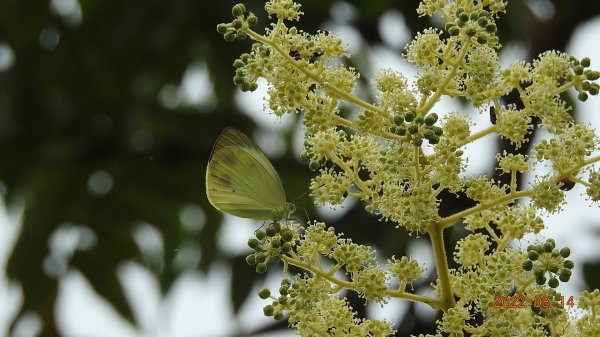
[(527, 265), (286, 247), (417, 141), (482, 22), (239, 80), (238, 10), (553, 282), (463, 17), (565, 275), (283, 290), (481, 39), (260, 257), (261, 268), (222, 28), (578, 70), (568, 264), (431, 119), (238, 63), (491, 28), (237, 24), (260, 234), (449, 26), (253, 243), (278, 315), (413, 129), (533, 255), (271, 231), (286, 282), (553, 268), (398, 119), (454, 31), (241, 35), (287, 235), (419, 120), (410, 116), (555, 253), (251, 259), (264, 293), (471, 32), (474, 16), (585, 62), (438, 131), (268, 310), (582, 96), (434, 140), (401, 130), (484, 14), (592, 75), (540, 280), (229, 36), (252, 20), (594, 89), (565, 252), (275, 244)]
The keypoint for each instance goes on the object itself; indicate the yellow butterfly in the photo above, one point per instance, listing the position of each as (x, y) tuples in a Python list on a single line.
[(241, 181)]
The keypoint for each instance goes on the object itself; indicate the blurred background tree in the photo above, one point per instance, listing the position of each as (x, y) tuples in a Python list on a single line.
[(108, 112)]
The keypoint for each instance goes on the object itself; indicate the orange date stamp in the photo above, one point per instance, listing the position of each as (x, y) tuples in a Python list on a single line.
[(539, 302)]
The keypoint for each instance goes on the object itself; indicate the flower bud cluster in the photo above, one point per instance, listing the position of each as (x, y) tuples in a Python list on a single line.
[(236, 30), (546, 260), (417, 128), (271, 244), (582, 72), (478, 25)]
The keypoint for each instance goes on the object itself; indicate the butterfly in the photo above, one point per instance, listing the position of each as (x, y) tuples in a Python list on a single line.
[(241, 181)]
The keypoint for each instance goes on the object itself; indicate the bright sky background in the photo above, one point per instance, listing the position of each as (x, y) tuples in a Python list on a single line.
[(197, 305)]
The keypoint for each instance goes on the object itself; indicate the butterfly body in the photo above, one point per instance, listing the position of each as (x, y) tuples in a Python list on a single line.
[(241, 181)]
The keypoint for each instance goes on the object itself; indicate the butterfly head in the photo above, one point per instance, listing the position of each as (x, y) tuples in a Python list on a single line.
[(285, 212)]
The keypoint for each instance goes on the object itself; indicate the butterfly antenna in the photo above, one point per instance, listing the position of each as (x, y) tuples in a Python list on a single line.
[(261, 226), (307, 217), (304, 209), (305, 193), (305, 213)]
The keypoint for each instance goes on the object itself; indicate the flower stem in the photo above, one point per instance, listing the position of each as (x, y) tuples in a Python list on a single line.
[(436, 233)]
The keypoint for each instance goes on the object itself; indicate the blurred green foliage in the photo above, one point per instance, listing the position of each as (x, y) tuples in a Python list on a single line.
[(84, 99)]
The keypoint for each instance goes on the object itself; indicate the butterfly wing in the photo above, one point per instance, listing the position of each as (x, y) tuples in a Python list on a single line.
[(236, 138), (240, 180)]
